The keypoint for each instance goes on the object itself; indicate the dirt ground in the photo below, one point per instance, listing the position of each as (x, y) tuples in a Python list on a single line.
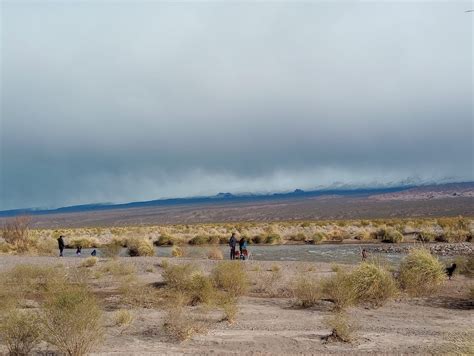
[(270, 323)]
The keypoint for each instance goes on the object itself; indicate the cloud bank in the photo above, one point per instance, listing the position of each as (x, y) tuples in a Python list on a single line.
[(107, 101)]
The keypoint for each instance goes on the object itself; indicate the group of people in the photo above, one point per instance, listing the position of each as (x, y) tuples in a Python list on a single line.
[(62, 245), (242, 254)]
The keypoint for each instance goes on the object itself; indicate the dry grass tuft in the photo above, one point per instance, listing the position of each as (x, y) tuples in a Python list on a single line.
[(342, 329), (307, 292), (215, 253), (89, 262), (123, 318), (179, 324)]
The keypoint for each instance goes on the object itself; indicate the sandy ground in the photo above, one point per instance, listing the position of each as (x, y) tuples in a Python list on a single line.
[(272, 325)]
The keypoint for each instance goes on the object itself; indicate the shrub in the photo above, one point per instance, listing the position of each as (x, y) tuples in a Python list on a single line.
[(117, 268), (421, 273), (228, 304), (199, 240), (258, 239), (179, 324), (72, 320), (391, 236), (362, 235), (84, 242), (215, 254), (19, 331), (307, 292), (89, 262), (372, 284), (177, 251), (140, 247), (15, 232), (165, 240), (231, 277), (457, 235), (179, 277), (338, 289), (426, 236), (317, 238), (46, 246), (123, 318), (29, 280), (341, 328), (273, 239), (111, 249), (298, 237), (201, 289)]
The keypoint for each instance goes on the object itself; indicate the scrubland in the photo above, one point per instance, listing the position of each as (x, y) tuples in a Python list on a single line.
[(145, 304), (19, 235), (139, 305)]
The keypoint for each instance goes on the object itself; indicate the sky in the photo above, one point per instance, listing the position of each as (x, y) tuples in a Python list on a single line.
[(108, 101)]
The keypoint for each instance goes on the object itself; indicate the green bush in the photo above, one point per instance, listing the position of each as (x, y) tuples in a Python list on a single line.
[(72, 320), (421, 273), (372, 284)]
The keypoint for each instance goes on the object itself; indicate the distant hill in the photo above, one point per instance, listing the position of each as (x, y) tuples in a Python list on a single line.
[(451, 190), (218, 198)]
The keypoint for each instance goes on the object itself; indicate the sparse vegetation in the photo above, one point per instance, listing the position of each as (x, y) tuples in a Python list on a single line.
[(72, 320), (231, 277), (307, 292), (89, 261), (19, 331), (215, 253)]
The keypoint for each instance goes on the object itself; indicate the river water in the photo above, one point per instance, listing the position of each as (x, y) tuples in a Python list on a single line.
[(338, 253)]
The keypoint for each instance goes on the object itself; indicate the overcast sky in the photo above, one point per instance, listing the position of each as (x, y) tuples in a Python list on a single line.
[(105, 101)]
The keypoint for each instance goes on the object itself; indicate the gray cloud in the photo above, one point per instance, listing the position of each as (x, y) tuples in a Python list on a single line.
[(125, 101)]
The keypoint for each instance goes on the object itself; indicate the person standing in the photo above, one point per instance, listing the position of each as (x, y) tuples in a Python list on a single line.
[(61, 245), (232, 245)]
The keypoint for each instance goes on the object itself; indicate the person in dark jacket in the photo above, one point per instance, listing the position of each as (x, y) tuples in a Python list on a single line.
[(61, 245), (232, 245)]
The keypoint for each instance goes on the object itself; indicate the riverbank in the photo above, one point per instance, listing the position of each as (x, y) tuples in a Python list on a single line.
[(267, 321), (441, 249)]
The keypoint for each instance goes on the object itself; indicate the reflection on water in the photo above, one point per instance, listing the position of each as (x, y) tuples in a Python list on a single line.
[(311, 253)]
